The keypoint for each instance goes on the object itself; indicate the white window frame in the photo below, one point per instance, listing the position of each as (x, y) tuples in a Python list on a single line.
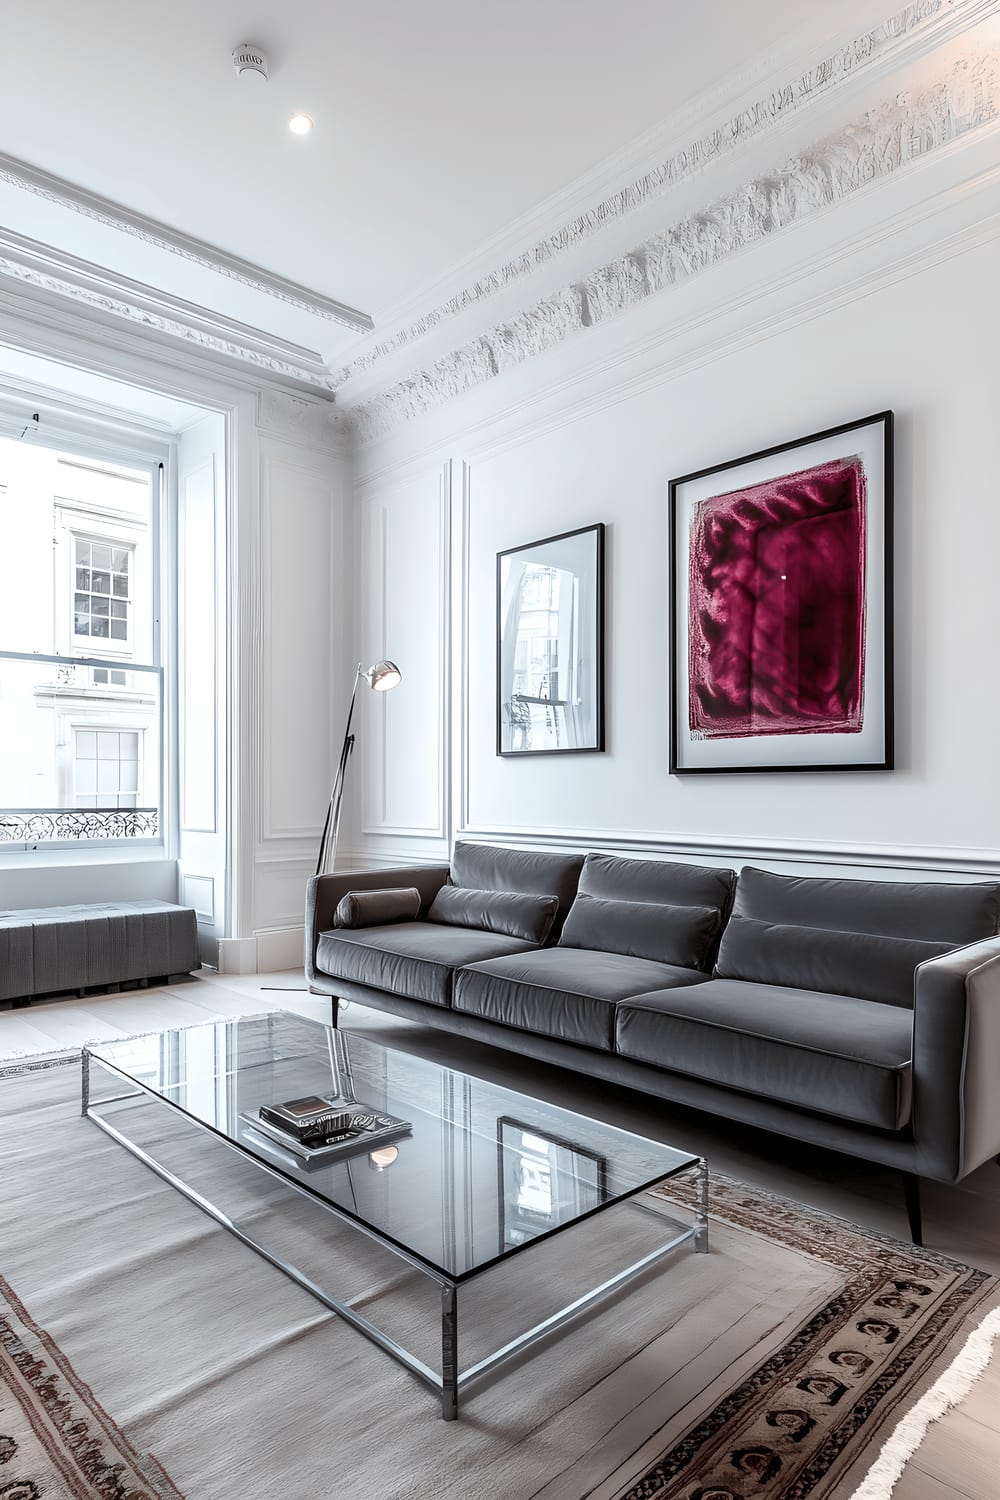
[(158, 457)]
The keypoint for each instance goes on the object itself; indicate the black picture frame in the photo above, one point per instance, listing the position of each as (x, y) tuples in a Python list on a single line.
[(868, 442), (515, 714), (520, 1221)]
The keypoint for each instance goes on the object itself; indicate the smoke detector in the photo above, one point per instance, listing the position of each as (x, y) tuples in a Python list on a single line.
[(250, 61)]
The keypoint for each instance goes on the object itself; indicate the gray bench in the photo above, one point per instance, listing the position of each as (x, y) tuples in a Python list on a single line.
[(49, 950)]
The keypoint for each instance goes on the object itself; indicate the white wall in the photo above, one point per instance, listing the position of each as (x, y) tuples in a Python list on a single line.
[(909, 326)]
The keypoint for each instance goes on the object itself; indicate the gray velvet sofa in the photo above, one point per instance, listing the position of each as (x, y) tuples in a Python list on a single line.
[(862, 1016)]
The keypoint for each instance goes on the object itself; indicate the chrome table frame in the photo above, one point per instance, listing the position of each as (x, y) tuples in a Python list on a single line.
[(452, 1381)]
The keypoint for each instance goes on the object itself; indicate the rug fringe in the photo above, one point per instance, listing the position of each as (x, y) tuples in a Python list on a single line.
[(965, 1370)]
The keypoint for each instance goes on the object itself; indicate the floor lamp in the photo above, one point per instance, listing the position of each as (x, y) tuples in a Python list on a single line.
[(380, 678)]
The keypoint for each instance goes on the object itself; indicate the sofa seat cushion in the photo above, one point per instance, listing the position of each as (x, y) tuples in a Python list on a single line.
[(833, 1054), (569, 993), (416, 959)]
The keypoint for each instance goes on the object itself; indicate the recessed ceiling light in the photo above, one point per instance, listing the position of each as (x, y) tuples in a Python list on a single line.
[(300, 124)]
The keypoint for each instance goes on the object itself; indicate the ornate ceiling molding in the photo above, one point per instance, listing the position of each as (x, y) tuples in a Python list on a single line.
[(300, 419), (886, 140), (749, 123), (49, 270), (21, 174)]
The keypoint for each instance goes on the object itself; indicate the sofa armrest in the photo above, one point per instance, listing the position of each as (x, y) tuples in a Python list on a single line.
[(323, 894), (956, 1060)]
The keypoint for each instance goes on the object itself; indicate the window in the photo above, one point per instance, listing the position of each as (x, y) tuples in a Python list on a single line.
[(107, 768), (81, 701), (102, 593)]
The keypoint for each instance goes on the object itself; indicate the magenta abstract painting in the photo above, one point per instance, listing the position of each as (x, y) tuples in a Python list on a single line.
[(776, 579), (781, 607)]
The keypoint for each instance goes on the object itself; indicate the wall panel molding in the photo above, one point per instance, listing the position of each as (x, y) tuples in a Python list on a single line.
[(398, 554), (929, 858), (198, 891), (299, 528)]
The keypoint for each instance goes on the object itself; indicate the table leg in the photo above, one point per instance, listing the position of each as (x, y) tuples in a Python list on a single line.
[(449, 1353), (85, 1081), (701, 1214)]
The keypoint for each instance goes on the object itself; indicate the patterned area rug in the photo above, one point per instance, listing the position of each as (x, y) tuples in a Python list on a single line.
[(802, 1418), (774, 1368), (55, 1439)]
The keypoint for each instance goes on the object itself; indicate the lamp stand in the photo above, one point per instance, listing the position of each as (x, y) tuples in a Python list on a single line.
[(331, 828)]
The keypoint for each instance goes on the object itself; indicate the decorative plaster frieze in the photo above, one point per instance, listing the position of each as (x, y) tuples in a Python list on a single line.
[(750, 123), (132, 311), (20, 174), (302, 420), (884, 141)]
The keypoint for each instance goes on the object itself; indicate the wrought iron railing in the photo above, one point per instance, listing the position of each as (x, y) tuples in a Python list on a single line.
[(57, 824)]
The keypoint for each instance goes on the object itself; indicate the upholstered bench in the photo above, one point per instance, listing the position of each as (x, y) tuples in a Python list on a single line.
[(52, 949)]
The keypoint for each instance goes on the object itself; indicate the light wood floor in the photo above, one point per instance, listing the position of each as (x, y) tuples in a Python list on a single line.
[(960, 1456)]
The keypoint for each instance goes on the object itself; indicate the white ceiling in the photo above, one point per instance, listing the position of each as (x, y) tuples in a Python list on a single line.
[(438, 123)]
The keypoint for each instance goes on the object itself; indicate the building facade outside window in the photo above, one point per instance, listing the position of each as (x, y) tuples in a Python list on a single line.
[(81, 701)]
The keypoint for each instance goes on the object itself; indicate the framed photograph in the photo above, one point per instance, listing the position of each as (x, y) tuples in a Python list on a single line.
[(543, 1182), (781, 607), (550, 645)]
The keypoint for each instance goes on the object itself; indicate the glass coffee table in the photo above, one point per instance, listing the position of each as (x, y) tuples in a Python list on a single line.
[(481, 1176)]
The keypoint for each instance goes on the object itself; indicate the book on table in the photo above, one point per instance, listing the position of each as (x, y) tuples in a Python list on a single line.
[(321, 1127)]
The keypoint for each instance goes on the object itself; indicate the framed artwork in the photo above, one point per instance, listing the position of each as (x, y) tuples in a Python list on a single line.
[(781, 607), (550, 645), (543, 1182)]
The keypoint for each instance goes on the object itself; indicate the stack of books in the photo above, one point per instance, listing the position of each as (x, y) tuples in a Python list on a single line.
[(320, 1127)]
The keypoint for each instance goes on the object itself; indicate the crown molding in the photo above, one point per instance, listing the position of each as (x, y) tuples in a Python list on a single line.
[(21, 174), (301, 420), (809, 284), (33, 264), (887, 140), (684, 147)]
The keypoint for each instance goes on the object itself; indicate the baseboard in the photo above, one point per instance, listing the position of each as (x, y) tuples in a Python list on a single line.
[(237, 955), (281, 948)]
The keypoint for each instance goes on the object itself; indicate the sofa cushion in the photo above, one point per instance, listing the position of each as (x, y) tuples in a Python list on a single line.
[(373, 908), (416, 959), (663, 882), (853, 937), (649, 908), (810, 958), (567, 993), (834, 1054), (683, 935), (482, 867), (509, 912)]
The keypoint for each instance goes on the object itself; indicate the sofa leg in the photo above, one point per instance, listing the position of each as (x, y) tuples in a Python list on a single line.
[(334, 1009), (911, 1191)]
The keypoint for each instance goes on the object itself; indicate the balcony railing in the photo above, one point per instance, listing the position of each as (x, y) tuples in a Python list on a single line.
[(57, 824)]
